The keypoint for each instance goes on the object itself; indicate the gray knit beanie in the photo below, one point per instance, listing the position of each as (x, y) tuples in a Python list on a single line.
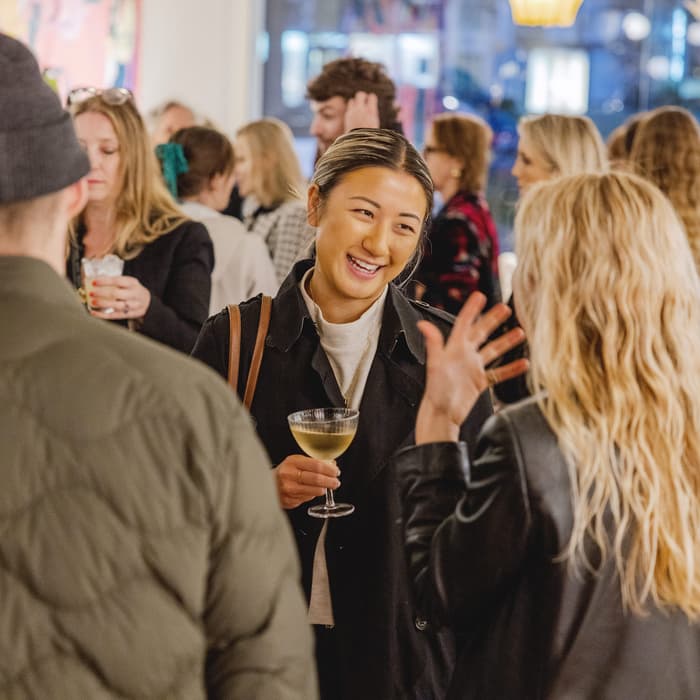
[(39, 152)]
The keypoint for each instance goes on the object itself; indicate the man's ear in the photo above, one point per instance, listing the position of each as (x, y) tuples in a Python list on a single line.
[(76, 197), (313, 205)]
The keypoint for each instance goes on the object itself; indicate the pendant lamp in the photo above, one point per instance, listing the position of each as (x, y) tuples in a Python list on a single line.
[(545, 13)]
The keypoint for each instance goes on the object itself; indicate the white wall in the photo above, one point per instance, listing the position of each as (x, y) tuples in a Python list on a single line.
[(202, 52)]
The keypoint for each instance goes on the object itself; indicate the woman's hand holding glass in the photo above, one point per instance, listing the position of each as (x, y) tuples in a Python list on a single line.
[(300, 479), (456, 371), (125, 296)]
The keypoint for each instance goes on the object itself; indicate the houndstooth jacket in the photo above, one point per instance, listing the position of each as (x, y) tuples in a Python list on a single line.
[(285, 231)]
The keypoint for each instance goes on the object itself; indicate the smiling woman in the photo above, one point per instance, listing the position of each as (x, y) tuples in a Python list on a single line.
[(369, 227), (343, 333)]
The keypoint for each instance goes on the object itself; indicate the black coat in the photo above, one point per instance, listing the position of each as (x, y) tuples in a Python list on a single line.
[(516, 389), (387, 650), (176, 269), (527, 628)]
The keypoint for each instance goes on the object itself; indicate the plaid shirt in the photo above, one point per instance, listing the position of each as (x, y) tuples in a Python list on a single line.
[(461, 254), (285, 231)]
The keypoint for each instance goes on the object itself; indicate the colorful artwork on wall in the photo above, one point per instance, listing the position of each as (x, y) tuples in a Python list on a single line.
[(79, 42)]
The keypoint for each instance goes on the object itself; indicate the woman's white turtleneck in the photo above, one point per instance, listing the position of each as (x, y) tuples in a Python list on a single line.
[(350, 348)]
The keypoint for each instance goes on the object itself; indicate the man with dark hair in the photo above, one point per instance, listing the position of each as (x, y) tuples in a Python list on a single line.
[(143, 552), (351, 93)]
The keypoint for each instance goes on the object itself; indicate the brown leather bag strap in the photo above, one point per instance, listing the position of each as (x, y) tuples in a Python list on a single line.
[(263, 325), (234, 345)]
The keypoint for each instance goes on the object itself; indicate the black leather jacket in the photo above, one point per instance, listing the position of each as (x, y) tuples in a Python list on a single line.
[(484, 559)]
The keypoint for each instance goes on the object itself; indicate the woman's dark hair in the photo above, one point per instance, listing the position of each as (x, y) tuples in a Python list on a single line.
[(208, 153), (375, 148)]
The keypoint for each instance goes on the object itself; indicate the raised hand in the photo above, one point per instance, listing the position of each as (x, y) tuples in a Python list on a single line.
[(362, 111), (456, 371)]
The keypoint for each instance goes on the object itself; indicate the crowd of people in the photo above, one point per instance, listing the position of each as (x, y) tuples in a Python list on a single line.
[(525, 476)]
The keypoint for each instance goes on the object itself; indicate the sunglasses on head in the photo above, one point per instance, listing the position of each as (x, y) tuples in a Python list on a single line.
[(110, 96)]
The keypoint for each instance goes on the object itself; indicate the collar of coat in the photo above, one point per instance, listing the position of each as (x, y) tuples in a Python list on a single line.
[(399, 320), (35, 279)]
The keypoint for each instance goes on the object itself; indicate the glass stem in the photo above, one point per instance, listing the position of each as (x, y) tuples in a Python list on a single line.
[(330, 501)]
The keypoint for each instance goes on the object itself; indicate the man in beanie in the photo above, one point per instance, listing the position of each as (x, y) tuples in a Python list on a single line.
[(142, 550)]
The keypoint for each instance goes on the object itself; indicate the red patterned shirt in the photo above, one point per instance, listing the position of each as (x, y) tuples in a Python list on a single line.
[(461, 254)]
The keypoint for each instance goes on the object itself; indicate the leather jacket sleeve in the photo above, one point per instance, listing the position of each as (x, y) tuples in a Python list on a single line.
[(466, 526)]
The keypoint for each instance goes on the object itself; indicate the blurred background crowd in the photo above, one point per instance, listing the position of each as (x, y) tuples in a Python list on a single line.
[(477, 224)]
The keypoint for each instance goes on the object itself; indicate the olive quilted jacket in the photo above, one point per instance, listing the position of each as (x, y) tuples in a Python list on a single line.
[(142, 550)]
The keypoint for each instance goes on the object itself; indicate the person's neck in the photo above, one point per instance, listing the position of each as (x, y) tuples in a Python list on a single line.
[(205, 198), (100, 229), (51, 248), (448, 191), (336, 310)]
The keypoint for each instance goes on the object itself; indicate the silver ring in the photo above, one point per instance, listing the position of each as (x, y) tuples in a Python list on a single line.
[(299, 476), (126, 307)]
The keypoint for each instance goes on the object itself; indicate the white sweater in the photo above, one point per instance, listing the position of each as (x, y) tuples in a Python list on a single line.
[(242, 264), (350, 348)]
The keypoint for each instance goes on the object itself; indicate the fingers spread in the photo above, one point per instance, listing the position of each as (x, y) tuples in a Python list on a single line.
[(486, 324), (512, 369), (469, 313), (434, 342), (493, 350)]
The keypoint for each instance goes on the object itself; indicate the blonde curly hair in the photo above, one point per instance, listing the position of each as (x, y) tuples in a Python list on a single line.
[(666, 151), (610, 298)]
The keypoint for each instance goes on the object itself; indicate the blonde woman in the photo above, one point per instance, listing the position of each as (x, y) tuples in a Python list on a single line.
[(166, 282), (269, 177), (552, 145), (574, 551), (666, 151)]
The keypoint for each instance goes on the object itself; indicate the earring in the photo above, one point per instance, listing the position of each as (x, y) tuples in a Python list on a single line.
[(456, 172)]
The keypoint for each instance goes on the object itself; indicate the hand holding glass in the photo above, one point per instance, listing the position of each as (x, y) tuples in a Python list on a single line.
[(108, 266), (325, 433)]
